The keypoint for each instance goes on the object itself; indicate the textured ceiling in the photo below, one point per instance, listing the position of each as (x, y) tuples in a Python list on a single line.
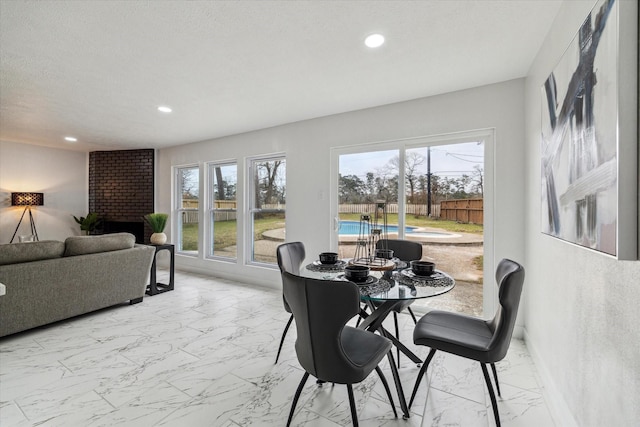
[(97, 70)]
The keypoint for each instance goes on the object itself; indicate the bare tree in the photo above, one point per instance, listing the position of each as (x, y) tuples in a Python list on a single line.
[(219, 183), (189, 178), (266, 180), (477, 180), (412, 162)]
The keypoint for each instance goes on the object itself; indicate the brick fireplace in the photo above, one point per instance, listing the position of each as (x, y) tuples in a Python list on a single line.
[(121, 187)]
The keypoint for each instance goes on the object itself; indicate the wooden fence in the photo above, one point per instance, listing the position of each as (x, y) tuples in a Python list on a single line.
[(191, 217), (392, 208), (225, 210), (463, 210)]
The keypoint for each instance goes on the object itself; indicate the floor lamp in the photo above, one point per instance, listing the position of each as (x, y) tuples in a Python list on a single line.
[(27, 200)]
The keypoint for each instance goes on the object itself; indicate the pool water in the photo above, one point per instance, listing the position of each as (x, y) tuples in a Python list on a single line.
[(353, 227)]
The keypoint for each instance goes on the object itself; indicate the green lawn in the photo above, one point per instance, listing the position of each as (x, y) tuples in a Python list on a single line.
[(226, 231), (189, 237)]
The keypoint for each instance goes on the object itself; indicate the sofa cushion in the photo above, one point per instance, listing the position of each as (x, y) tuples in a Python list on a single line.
[(15, 253), (82, 245)]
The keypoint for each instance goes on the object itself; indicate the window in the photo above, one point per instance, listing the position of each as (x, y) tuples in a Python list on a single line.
[(364, 179), (438, 173), (222, 210), (266, 205), (187, 200), (436, 193)]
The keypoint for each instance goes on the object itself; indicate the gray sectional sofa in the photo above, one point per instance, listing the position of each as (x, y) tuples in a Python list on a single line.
[(49, 280)]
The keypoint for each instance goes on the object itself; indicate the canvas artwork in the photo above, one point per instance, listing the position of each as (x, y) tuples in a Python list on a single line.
[(579, 137)]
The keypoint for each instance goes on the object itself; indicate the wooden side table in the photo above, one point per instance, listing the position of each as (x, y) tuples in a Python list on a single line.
[(155, 287)]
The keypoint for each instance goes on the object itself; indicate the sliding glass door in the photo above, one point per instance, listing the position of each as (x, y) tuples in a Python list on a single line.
[(364, 179), (434, 190)]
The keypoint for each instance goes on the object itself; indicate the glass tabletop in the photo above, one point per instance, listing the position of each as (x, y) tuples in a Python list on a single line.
[(398, 285)]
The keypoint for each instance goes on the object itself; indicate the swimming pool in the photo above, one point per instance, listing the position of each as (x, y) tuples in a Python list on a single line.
[(353, 228), (437, 234)]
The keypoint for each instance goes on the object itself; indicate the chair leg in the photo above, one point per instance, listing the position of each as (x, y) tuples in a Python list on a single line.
[(412, 315), (495, 376), (296, 397), (425, 365), (284, 334), (352, 403), (395, 321), (387, 389), (360, 316), (491, 394)]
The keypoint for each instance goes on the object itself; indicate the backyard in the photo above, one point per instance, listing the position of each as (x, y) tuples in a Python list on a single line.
[(463, 261), (226, 231), (424, 221)]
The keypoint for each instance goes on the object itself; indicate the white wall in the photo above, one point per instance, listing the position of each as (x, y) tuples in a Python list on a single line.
[(60, 174), (307, 146), (581, 307)]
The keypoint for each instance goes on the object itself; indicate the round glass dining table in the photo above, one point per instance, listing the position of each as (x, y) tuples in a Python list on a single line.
[(382, 290), (396, 285)]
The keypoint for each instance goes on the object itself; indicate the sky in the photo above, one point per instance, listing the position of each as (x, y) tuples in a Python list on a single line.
[(451, 160)]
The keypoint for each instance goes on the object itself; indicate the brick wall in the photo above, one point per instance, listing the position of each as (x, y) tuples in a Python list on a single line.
[(121, 185)]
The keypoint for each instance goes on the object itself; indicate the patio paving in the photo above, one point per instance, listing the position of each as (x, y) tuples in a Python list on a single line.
[(456, 255)]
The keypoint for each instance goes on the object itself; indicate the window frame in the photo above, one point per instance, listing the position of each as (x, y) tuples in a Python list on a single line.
[(179, 210), (250, 208), (210, 211)]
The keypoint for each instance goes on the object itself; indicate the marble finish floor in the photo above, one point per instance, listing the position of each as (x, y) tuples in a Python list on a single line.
[(203, 355)]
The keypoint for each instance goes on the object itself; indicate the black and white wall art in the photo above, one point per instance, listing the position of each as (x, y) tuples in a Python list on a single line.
[(581, 145)]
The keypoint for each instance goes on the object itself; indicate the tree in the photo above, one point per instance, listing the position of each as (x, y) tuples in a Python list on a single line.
[(267, 177), (371, 188), (230, 191), (189, 178), (220, 183), (412, 162), (387, 189), (351, 189), (477, 180)]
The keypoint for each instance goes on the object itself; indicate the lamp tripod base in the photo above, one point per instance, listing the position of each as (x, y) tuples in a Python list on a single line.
[(34, 232)]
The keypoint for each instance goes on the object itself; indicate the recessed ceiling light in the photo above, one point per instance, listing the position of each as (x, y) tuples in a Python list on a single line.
[(374, 40), (70, 139), (164, 109)]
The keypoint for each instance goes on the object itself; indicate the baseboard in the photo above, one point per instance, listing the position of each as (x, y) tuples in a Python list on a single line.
[(228, 276), (558, 407), (518, 332)]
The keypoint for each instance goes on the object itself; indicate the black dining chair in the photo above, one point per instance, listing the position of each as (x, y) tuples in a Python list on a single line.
[(485, 341), (407, 251), (326, 347), (290, 258)]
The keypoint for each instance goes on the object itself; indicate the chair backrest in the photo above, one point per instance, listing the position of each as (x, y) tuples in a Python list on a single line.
[(405, 250), (510, 279), (321, 308), (290, 257)]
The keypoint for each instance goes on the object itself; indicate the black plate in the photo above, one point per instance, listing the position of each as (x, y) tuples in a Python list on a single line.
[(408, 272), (370, 280), (338, 263)]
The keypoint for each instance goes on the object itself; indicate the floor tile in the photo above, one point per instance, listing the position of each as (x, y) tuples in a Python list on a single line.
[(203, 355)]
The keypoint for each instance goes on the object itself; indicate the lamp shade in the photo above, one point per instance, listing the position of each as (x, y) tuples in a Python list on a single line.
[(27, 199)]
